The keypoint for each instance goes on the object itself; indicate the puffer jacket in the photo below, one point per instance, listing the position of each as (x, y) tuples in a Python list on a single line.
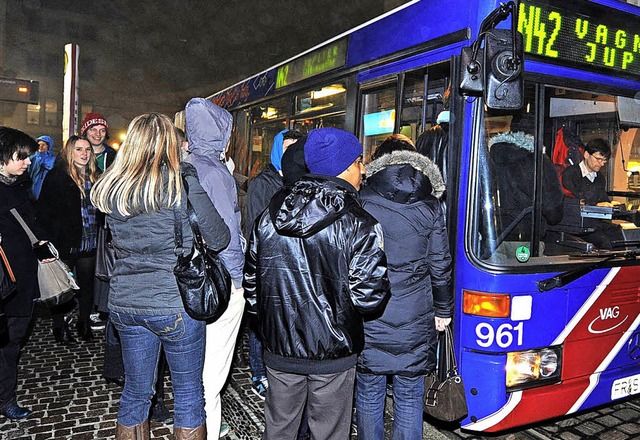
[(314, 265), (402, 192), (512, 156), (143, 282)]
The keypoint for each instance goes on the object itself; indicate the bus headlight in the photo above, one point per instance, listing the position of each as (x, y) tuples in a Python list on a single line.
[(533, 368)]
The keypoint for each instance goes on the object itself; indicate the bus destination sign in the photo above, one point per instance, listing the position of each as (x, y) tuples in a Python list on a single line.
[(314, 63), (585, 35)]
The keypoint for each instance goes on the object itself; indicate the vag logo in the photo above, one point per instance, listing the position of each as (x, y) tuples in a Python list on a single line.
[(607, 320)]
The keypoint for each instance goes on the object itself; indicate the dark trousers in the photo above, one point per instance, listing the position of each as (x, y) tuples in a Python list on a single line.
[(17, 329), (328, 399), (84, 268)]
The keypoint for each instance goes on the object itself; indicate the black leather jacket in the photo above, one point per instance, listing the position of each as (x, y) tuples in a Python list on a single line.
[(314, 264)]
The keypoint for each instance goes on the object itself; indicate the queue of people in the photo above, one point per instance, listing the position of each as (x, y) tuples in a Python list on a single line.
[(326, 273)]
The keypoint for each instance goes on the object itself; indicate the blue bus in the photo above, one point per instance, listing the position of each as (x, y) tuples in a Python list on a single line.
[(546, 321)]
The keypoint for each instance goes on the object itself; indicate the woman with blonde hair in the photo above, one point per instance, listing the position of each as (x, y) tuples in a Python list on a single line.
[(65, 211), (143, 194)]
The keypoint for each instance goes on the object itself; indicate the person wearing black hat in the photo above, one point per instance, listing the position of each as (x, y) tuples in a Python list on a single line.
[(315, 264)]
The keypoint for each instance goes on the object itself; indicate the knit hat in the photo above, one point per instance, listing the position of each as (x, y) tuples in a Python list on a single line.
[(330, 151), (93, 119), (293, 165)]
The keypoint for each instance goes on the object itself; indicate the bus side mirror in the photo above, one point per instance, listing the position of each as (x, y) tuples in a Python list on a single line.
[(503, 79), (471, 74)]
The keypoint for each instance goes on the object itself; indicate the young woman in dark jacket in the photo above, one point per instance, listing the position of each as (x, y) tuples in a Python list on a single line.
[(15, 187), (66, 212), (141, 193), (402, 192)]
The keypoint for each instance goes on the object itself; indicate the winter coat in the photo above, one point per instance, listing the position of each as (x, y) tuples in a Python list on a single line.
[(402, 192), (59, 209), (314, 264), (143, 282), (17, 246), (209, 131), (512, 157), (261, 189)]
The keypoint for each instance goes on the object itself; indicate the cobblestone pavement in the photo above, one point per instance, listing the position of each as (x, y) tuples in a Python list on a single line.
[(70, 400)]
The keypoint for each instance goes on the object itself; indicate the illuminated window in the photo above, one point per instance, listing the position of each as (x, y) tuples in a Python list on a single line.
[(51, 112), (33, 114)]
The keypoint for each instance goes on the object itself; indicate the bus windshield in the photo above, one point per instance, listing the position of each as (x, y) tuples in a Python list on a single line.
[(559, 178)]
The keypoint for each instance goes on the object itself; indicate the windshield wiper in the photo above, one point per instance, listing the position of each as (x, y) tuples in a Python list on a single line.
[(565, 278)]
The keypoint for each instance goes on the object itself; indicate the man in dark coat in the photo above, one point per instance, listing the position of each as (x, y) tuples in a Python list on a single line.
[(261, 189), (314, 264), (15, 189)]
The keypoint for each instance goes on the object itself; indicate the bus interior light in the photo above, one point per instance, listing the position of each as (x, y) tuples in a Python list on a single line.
[(495, 305), (532, 368)]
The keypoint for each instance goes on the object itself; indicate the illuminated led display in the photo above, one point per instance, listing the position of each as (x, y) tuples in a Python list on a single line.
[(19, 90), (581, 34), (319, 61)]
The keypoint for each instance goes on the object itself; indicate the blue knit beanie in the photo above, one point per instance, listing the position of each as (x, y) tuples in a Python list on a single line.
[(330, 151)]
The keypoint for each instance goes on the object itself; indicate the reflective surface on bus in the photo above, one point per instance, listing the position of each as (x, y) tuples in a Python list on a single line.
[(516, 218)]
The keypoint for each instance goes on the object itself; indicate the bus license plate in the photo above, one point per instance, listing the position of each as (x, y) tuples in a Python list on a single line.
[(625, 386)]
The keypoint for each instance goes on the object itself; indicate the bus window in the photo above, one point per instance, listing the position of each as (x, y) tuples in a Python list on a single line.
[(268, 119), (522, 211), (239, 144), (320, 107), (379, 115), (412, 104)]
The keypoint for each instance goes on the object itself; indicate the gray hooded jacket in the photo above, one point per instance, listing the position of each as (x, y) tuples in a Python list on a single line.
[(209, 131)]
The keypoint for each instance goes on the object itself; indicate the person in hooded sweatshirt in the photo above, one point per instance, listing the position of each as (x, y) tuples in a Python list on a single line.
[(403, 191), (314, 266), (41, 162), (209, 132), (261, 189), (145, 199)]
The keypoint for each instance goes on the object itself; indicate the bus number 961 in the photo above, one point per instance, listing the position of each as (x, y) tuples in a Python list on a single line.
[(503, 335)]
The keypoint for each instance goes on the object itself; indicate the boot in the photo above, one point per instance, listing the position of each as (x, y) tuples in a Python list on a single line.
[(84, 331), (63, 335), (137, 432), (199, 433)]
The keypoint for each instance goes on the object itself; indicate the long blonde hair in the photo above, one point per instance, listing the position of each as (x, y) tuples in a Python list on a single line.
[(74, 171), (145, 176)]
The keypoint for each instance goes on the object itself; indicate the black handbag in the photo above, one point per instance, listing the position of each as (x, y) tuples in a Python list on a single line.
[(444, 397), (105, 254), (203, 281)]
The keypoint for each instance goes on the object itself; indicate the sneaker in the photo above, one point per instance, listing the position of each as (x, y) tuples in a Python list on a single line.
[(96, 322), (259, 387), (224, 429)]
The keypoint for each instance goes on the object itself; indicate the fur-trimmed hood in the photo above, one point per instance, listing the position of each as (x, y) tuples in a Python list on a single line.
[(415, 160), (521, 139)]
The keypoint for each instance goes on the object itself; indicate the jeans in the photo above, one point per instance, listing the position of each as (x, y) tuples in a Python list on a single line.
[(256, 363), (183, 340), (407, 406)]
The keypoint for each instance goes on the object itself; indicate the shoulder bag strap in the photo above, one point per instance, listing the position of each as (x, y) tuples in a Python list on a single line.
[(7, 266), (26, 228), (198, 241), (451, 363)]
